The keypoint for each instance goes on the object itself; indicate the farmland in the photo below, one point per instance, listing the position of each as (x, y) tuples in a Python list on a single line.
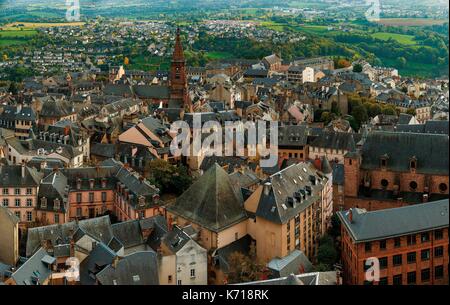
[(400, 38), (411, 21)]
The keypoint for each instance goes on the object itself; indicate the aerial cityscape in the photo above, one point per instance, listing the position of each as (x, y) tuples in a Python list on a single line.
[(231, 142)]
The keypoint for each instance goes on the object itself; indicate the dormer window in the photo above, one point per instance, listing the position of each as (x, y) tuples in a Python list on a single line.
[(383, 161), (91, 183), (413, 164), (78, 183), (56, 204), (43, 202), (141, 200)]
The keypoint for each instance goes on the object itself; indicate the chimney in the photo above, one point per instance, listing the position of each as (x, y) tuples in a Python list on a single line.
[(267, 187), (350, 215), (23, 169)]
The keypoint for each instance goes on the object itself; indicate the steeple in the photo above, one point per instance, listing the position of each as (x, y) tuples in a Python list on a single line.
[(178, 81), (178, 54)]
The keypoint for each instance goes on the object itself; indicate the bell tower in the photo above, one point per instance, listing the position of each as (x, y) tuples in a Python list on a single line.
[(178, 81)]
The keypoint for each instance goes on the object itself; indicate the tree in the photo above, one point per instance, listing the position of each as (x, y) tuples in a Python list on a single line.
[(13, 88), (245, 268), (411, 111), (167, 177), (326, 254), (343, 63), (359, 113), (126, 61), (402, 62), (357, 68), (388, 110)]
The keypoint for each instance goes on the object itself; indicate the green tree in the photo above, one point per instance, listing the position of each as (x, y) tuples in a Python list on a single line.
[(327, 253), (359, 113), (357, 68), (167, 177), (411, 111), (244, 268)]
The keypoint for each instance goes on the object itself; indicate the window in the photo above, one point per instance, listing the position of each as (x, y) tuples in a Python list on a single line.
[(384, 183), (413, 185), (91, 197), (17, 202), (397, 279), (43, 202), (78, 197), (169, 279), (439, 272), (439, 251), (383, 281), (192, 273), (397, 242), (438, 234), (425, 275), (179, 282), (5, 191), (411, 257), (411, 240), (383, 245), (17, 213), (368, 247), (425, 254), (236, 236), (424, 237), (397, 260), (16, 191), (443, 187), (78, 212), (29, 191), (412, 164), (56, 218), (29, 202), (411, 278), (56, 204), (383, 262), (29, 216), (103, 196), (5, 202)]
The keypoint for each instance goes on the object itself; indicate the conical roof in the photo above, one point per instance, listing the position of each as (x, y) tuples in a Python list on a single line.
[(211, 201), (178, 54), (326, 167)]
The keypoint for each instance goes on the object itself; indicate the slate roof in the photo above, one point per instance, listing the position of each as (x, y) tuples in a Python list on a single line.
[(434, 127), (117, 89), (334, 140), (36, 267), (314, 278), (211, 201), (292, 135), (56, 108), (292, 183), (99, 258), (176, 239), (128, 233), (151, 92), (295, 262), (99, 228), (103, 150), (430, 150), (388, 223), (140, 268), (11, 176)]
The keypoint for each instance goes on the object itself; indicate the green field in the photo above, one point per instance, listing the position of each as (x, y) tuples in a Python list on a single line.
[(148, 63), (11, 42), (400, 38), (273, 26), (9, 33)]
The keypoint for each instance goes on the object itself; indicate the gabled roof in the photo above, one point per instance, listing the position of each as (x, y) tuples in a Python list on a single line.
[(35, 268), (140, 268), (388, 223), (211, 201), (334, 140), (295, 262)]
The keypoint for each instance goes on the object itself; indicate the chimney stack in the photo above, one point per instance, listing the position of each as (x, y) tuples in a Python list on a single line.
[(350, 215), (23, 169), (267, 186)]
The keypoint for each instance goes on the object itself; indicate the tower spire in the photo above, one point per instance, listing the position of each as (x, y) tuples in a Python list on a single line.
[(178, 54)]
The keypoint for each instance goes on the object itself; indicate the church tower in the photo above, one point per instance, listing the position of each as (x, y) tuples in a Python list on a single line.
[(179, 97)]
